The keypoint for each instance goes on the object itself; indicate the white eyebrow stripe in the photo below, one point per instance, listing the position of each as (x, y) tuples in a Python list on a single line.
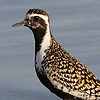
[(40, 15)]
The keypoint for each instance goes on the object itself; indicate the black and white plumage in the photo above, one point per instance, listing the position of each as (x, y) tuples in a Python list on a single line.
[(59, 71)]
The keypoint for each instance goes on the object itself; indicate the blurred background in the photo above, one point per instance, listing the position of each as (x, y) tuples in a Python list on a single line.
[(74, 24)]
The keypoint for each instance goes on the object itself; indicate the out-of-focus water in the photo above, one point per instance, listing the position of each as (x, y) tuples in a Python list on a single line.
[(74, 24)]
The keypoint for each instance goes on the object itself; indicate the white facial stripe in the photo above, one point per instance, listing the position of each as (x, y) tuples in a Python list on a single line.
[(41, 16)]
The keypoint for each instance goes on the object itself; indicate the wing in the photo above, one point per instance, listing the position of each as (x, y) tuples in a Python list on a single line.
[(68, 74)]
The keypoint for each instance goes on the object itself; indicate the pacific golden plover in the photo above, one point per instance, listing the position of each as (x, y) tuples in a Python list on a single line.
[(59, 71)]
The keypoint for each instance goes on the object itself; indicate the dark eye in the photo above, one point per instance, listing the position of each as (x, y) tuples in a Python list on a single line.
[(36, 18)]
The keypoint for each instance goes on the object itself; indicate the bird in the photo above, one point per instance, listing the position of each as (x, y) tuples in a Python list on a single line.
[(58, 70)]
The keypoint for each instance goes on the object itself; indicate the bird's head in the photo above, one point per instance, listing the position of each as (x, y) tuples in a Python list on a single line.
[(35, 19)]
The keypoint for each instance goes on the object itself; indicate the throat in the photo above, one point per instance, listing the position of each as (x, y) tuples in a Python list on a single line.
[(38, 35), (42, 38)]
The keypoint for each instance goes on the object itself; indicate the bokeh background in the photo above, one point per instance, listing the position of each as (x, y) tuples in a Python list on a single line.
[(74, 23)]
